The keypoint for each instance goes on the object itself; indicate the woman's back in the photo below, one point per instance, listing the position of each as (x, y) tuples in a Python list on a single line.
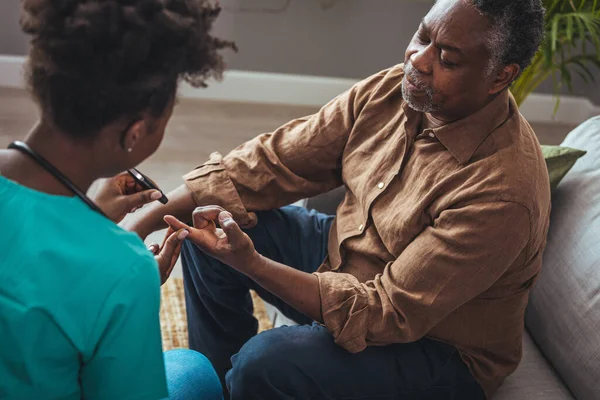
[(79, 303)]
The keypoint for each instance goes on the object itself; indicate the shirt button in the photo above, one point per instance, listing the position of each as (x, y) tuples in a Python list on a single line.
[(431, 135), (381, 185), (361, 227)]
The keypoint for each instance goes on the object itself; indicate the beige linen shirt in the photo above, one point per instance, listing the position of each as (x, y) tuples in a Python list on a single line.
[(441, 231)]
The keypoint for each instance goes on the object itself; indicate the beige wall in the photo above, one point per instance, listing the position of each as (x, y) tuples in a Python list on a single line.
[(12, 41), (353, 39)]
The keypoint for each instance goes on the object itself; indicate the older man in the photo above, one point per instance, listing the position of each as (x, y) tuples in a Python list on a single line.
[(418, 286)]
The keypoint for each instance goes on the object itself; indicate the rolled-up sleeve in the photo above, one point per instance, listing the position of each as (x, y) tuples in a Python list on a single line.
[(300, 159), (454, 260)]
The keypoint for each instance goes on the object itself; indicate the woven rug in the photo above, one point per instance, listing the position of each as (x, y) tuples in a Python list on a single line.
[(173, 320)]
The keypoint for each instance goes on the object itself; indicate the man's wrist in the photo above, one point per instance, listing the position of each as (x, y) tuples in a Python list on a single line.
[(134, 226), (141, 222), (255, 266)]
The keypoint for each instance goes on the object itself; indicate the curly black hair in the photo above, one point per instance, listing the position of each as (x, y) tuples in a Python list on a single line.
[(93, 62), (518, 30)]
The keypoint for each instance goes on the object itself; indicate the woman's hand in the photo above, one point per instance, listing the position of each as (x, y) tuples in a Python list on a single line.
[(166, 255), (120, 195), (228, 244)]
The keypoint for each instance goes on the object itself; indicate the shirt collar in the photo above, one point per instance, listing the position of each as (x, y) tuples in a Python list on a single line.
[(463, 137)]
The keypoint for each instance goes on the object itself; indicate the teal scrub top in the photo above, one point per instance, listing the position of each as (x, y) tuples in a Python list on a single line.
[(79, 303)]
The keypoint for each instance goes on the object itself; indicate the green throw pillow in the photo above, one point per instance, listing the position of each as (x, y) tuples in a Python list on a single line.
[(560, 160)]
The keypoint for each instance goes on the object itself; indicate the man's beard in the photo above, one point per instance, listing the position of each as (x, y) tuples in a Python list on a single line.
[(424, 105)]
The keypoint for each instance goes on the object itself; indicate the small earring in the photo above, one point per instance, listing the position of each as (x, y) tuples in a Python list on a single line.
[(129, 150)]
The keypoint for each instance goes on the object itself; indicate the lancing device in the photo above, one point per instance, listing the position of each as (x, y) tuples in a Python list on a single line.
[(147, 183)]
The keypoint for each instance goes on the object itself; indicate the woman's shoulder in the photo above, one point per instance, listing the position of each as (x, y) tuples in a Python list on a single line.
[(66, 233), (115, 251), (64, 258)]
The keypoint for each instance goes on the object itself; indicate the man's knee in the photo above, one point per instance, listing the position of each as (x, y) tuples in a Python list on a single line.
[(272, 361), (199, 266), (259, 365), (190, 253)]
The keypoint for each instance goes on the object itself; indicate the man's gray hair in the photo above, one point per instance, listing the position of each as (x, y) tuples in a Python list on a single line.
[(517, 31)]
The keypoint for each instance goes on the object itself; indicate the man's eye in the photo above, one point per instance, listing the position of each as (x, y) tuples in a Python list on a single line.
[(447, 63), (423, 39)]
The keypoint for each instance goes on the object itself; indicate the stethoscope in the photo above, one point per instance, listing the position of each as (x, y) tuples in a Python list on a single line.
[(25, 149)]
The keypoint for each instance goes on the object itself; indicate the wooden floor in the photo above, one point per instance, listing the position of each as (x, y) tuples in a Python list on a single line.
[(197, 129)]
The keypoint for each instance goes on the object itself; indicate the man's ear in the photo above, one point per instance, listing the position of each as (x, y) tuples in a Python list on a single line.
[(504, 77), (132, 135)]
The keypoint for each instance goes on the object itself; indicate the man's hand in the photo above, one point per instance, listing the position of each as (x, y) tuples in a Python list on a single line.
[(167, 254), (120, 195), (228, 244), (233, 247)]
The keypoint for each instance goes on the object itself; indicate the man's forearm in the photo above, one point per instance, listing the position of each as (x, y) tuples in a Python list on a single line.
[(298, 289), (150, 218)]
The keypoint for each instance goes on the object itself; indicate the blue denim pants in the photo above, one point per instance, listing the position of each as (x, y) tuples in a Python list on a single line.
[(190, 376), (303, 362)]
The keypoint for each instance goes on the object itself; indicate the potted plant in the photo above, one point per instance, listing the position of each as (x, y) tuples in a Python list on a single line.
[(572, 45)]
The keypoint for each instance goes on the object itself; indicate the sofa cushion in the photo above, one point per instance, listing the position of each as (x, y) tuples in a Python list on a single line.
[(560, 160), (534, 379), (327, 203), (563, 315)]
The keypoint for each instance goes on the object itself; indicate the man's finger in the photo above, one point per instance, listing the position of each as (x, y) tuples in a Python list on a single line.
[(203, 216), (235, 235)]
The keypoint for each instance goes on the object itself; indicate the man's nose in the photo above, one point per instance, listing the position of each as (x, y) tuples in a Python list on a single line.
[(422, 60)]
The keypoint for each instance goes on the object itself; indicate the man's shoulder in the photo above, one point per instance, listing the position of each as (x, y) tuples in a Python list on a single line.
[(517, 156), (384, 85), (393, 72), (387, 77)]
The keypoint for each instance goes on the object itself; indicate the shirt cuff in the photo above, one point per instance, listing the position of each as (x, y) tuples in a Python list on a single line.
[(345, 309), (210, 184)]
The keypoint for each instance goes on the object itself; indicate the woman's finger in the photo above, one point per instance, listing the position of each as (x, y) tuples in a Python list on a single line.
[(174, 223), (177, 251), (170, 231), (204, 238), (124, 181), (174, 259), (168, 254), (172, 242), (154, 248), (137, 200)]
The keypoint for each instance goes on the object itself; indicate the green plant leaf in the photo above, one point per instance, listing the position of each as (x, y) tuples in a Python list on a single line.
[(593, 28), (554, 36), (586, 74), (570, 29), (566, 77), (582, 34), (583, 77), (571, 26)]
